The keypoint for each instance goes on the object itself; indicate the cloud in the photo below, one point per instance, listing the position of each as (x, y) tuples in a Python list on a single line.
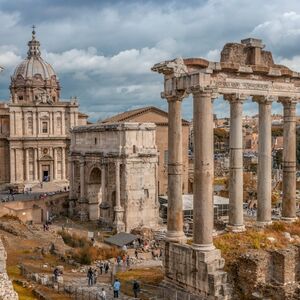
[(103, 50)]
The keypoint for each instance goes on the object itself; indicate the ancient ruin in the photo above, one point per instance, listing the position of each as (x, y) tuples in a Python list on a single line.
[(113, 174), (245, 70), (6, 288)]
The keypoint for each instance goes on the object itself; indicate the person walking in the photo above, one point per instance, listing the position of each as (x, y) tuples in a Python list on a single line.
[(101, 267), (56, 273), (90, 276), (117, 287), (101, 295), (136, 254), (106, 267), (95, 276), (136, 288)]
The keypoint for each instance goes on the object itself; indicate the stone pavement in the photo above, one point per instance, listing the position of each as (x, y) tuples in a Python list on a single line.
[(79, 286)]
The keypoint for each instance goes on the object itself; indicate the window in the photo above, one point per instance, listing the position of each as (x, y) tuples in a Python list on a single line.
[(95, 141), (20, 97), (45, 127), (166, 157)]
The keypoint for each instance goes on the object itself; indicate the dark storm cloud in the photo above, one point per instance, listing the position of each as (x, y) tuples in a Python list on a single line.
[(103, 50)]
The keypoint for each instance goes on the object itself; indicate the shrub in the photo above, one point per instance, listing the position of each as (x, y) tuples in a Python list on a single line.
[(74, 240)]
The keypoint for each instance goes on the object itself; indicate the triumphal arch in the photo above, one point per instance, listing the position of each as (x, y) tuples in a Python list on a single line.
[(245, 70)]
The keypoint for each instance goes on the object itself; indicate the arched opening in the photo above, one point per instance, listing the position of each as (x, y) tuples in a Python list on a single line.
[(94, 193)]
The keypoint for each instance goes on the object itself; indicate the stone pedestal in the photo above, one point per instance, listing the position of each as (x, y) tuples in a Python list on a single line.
[(119, 216), (194, 274)]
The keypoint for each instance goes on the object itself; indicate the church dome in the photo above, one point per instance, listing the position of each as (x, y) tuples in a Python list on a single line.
[(34, 64), (34, 80)]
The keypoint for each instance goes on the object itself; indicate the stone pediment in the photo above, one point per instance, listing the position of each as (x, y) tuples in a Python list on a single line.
[(46, 157)]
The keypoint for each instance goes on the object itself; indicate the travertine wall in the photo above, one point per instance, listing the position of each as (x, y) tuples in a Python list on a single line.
[(193, 274), (268, 275), (6, 289)]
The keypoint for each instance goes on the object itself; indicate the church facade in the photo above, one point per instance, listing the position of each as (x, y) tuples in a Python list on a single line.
[(35, 124)]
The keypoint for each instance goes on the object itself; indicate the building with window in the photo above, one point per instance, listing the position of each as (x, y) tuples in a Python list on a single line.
[(35, 124)]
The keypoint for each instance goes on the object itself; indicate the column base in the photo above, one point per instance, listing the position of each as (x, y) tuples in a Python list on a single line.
[(176, 237), (262, 224), (289, 219), (235, 228), (203, 247)]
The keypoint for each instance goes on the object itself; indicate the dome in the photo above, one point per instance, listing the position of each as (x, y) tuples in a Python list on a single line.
[(34, 64)]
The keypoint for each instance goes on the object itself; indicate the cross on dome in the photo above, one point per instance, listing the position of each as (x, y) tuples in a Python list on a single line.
[(34, 46)]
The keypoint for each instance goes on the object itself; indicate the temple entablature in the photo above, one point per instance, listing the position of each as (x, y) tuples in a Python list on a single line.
[(244, 68)]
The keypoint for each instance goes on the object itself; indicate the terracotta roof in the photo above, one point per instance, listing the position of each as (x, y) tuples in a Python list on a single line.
[(128, 115)]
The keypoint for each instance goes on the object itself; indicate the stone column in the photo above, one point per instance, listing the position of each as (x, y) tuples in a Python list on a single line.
[(175, 210), (103, 182), (82, 180), (203, 170), (12, 166), (27, 164), (289, 159), (35, 165), (55, 163), (118, 209), (236, 214), (264, 174), (63, 163)]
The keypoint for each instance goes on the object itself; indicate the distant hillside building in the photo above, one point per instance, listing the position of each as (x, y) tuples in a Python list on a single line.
[(160, 118), (35, 124)]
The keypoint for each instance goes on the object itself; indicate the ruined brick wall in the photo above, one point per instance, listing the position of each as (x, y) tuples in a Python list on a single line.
[(194, 274), (6, 289), (273, 275)]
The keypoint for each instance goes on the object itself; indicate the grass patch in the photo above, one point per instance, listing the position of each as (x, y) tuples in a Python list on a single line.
[(23, 293), (74, 240), (144, 275), (88, 254)]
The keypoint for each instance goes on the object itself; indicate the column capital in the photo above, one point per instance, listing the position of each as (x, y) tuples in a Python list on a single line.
[(288, 101), (235, 97), (267, 100), (175, 96), (207, 91)]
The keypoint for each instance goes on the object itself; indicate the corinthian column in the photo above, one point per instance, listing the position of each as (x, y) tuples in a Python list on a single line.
[(82, 180), (103, 183), (119, 211), (289, 159), (203, 170), (264, 176), (236, 215), (175, 210)]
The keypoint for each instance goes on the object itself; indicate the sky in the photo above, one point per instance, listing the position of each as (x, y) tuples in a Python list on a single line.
[(102, 51)]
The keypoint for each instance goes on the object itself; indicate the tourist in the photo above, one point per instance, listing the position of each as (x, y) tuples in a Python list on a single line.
[(136, 253), (119, 260), (56, 274), (101, 266), (128, 261), (136, 288), (106, 267), (95, 275), (101, 295), (116, 286), (90, 276)]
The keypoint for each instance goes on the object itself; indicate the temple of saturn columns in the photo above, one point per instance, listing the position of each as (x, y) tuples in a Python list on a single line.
[(245, 70)]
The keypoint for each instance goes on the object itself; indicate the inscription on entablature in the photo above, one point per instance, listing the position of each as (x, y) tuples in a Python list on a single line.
[(243, 85)]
